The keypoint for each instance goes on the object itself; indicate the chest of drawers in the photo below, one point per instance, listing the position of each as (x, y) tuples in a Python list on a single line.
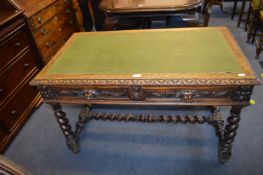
[(52, 22), (19, 63)]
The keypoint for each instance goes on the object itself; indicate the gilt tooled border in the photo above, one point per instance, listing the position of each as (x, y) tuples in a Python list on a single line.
[(148, 82)]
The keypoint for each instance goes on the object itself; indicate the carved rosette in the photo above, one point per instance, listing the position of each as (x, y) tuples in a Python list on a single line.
[(187, 96), (47, 92), (242, 93), (136, 93)]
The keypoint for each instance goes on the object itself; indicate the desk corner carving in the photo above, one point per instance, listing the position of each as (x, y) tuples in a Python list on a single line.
[(242, 93), (47, 92)]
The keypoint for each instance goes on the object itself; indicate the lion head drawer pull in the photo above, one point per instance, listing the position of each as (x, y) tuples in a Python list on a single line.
[(187, 96), (13, 112), (17, 44), (136, 93), (90, 94)]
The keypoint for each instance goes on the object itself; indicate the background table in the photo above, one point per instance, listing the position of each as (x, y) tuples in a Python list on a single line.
[(189, 10), (129, 68)]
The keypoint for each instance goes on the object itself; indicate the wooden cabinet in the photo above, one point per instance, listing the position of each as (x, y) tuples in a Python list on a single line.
[(19, 63), (52, 22)]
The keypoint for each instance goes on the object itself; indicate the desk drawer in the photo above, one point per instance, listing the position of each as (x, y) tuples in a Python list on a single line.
[(15, 107), (53, 52), (11, 47), (47, 29), (44, 15), (137, 94), (61, 34), (15, 74)]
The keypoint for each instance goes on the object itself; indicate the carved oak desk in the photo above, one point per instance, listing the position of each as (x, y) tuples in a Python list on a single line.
[(175, 67), (189, 10)]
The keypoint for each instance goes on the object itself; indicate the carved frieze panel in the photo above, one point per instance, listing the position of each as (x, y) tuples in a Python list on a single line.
[(138, 93), (96, 93)]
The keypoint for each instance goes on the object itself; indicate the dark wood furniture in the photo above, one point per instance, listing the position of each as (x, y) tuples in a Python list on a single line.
[(254, 20), (259, 42), (52, 22), (78, 15), (19, 63), (234, 9), (241, 13), (216, 2), (188, 10), (136, 70)]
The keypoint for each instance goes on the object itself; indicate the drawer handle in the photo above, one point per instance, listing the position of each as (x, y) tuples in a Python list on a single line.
[(1, 90), (40, 20), (17, 44), (49, 45), (26, 65), (43, 31), (13, 112)]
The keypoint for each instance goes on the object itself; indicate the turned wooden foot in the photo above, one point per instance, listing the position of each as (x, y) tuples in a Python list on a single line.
[(225, 146)]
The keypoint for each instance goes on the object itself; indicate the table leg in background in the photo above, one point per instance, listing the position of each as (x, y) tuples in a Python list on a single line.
[(110, 23), (241, 12)]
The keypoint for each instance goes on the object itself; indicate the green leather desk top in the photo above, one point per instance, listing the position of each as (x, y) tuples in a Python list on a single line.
[(170, 51), (162, 57)]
